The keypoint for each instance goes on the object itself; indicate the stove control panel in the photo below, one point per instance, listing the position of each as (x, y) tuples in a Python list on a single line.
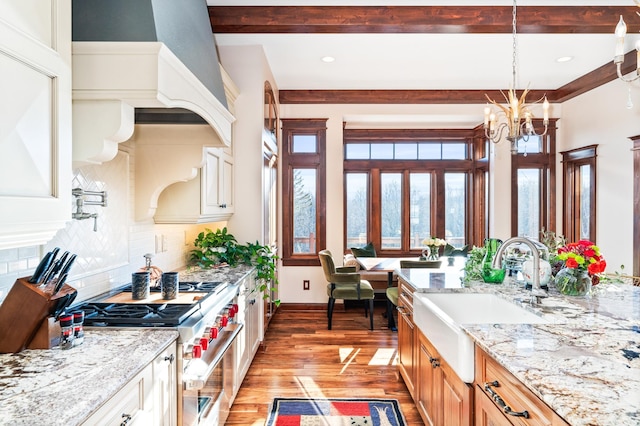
[(201, 344)]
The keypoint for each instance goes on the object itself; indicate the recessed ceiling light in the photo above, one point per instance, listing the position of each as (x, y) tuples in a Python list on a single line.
[(564, 59), (328, 59)]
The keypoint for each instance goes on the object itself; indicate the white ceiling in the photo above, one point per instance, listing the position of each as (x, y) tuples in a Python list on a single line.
[(428, 61)]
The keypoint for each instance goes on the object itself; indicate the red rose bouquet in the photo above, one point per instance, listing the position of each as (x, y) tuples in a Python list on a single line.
[(582, 255)]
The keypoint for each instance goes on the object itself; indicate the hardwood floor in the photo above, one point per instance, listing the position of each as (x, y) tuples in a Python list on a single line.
[(301, 358)]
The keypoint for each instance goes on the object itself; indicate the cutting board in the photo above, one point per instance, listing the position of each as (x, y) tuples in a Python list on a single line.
[(184, 298)]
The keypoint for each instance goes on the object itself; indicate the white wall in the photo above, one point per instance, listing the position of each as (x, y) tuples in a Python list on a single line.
[(601, 117), (248, 68)]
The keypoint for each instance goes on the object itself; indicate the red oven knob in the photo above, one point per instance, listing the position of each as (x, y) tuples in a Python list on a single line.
[(224, 321), (204, 343), (213, 333), (235, 308), (197, 351)]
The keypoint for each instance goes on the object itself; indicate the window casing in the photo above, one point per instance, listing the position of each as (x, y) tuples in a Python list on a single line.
[(579, 189), (303, 188), (533, 185), (411, 184)]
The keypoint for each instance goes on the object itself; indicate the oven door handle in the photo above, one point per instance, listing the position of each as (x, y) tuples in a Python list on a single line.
[(197, 374)]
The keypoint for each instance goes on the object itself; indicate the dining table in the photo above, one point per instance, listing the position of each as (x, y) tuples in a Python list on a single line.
[(391, 264)]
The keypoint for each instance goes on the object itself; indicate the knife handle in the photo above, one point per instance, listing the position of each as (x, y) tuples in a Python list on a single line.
[(53, 270), (41, 268), (67, 266)]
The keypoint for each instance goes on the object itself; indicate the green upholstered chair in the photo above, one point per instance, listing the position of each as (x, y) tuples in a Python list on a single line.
[(392, 292), (345, 283)]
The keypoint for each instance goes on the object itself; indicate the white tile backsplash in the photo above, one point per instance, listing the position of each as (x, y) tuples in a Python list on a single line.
[(107, 257)]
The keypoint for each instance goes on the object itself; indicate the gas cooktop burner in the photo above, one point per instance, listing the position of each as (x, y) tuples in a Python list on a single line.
[(154, 315), (191, 287)]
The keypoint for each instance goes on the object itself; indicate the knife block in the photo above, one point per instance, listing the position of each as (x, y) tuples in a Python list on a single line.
[(23, 312), (47, 335)]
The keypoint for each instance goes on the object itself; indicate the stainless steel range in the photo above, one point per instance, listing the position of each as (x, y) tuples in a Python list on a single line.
[(204, 314)]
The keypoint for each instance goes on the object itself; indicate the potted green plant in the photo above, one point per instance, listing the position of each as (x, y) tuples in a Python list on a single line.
[(473, 265), (214, 248), (221, 248)]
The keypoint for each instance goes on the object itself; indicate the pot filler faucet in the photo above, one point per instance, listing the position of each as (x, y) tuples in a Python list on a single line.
[(80, 214), (536, 292)]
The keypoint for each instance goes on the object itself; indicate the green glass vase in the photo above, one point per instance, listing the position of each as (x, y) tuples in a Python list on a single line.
[(489, 273)]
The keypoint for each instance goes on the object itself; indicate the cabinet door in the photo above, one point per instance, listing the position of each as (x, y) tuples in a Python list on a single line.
[(442, 397), (35, 136), (407, 340), (165, 388), (429, 383), (217, 183), (132, 405), (457, 399)]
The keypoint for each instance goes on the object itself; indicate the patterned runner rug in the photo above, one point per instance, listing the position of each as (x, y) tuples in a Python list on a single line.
[(335, 412)]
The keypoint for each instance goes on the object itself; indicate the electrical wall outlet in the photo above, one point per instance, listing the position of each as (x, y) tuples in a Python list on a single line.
[(305, 284)]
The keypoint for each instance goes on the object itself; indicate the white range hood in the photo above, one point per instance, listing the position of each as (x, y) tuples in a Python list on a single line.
[(110, 80)]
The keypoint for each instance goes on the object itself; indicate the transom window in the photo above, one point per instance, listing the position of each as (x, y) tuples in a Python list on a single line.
[(406, 151)]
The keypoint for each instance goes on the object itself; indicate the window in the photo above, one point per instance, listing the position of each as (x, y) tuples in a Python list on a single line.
[(533, 185), (402, 186), (419, 208), (303, 188), (579, 188)]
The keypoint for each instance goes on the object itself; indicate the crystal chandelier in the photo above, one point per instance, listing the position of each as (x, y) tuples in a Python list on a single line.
[(515, 118), (618, 59)]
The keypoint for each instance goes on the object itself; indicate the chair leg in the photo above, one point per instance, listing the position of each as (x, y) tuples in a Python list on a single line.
[(390, 321), (332, 302), (371, 313)]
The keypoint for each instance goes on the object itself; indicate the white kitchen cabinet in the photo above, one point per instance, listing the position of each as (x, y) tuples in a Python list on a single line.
[(35, 141), (165, 403), (207, 198), (132, 405), (150, 398)]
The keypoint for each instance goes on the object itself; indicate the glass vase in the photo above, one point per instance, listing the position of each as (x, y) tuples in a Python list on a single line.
[(573, 281), (434, 253), (489, 273)]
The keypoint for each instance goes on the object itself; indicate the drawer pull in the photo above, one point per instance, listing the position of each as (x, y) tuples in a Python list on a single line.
[(126, 419), (498, 400)]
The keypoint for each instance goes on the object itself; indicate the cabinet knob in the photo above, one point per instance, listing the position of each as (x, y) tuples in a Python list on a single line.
[(434, 362), (126, 418), (169, 358)]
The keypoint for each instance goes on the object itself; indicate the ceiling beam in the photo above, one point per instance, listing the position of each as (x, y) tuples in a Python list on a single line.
[(418, 19), (601, 75)]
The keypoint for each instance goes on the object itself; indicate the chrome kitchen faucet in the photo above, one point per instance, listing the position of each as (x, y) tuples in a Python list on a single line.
[(536, 291), (80, 214)]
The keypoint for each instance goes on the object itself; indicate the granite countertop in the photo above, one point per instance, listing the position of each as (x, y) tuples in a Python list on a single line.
[(584, 364), (64, 387), (221, 273)]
